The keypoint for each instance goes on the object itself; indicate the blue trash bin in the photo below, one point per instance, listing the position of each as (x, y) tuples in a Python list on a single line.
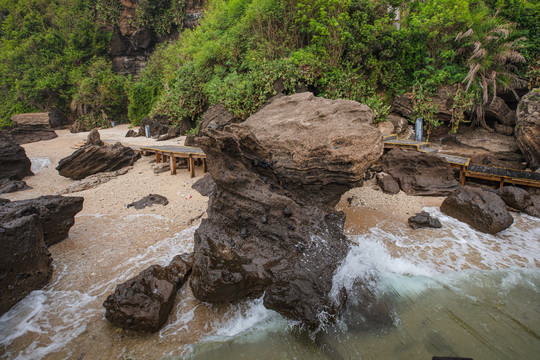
[(147, 130)]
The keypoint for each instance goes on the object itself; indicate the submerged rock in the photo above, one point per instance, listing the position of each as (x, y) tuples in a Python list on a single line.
[(419, 173), (143, 303), (528, 128), (482, 210), (25, 264), (55, 213), (272, 226), (423, 220), (149, 200), (14, 163), (95, 157)]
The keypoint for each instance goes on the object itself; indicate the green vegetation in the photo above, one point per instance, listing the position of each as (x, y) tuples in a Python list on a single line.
[(54, 55)]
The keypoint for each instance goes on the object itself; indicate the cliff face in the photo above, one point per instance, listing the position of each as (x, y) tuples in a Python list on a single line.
[(131, 45)]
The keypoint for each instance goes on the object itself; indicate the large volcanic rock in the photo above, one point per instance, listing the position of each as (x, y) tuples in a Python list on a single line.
[(272, 226), (96, 157), (14, 163), (419, 173), (25, 264), (483, 210), (55, 213), (31, 128), (403, 104), (143, 303), (528, 128)]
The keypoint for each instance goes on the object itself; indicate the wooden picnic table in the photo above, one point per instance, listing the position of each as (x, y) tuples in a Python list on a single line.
[(173, 152)]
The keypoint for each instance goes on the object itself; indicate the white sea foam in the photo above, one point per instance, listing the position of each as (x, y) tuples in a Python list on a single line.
[(39, 164)]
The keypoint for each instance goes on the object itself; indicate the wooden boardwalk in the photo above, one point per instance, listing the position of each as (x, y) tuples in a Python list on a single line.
[(466, 168), (173, 152)]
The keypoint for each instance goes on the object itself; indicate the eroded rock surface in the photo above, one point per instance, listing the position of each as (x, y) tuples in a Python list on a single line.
[(25, 264), (528, 128), (143, 303), (483, 210), (55, 213), (271, 224), (95, 157), (14, 163), (149, 200), (419, 173)]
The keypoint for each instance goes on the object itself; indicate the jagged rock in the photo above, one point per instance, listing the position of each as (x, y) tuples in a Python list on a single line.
[(132, 133), (160, 168), (504, 129), (94, 138), (149, 200), (14, 163), (158, 126), (498, 110), (143, 303), (386, 127), (488, 159), (190, 140), (387, 183), (272, 226), (423, 220), (94, 181), (8, 186), (4, 201), (25, 134), (419, 173), (528, 128), (219, 115), (515, 197), (400, 123), (482, 210), (534, 209), (55, 213), (173, 132), (25, 264), (205, 185), (403, 104), (77, 127), (93, 159)]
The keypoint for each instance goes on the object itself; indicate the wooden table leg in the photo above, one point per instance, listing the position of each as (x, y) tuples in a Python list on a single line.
[(501, 184), (158, 157), (205, 170), (192, 166), (173, 164), (462, 175)]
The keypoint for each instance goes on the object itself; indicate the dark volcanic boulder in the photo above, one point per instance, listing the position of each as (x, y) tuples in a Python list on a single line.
[(515, 197), (482, 210), (92, 159), (55, 213), (419, 173), (158, 126), (25, 264), (143, 303), (423, 220), (528, 128), (149, 201), (205, 185), (387, 183), (77, 127), (14, 163), (272, 226), (25, 134), (219, 116)]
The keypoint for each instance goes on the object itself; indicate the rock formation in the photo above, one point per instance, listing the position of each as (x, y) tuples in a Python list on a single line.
[(25, 264), (419, 173), (219, 116), (159, 125), (149, 201), (55, 213), (423, 220), (528, 128), (94, 158), (515, 197), (31, 128), (387, 183), (14, 163), (403, 104), (482, 210), (143, 303), (8, 186), (272, 226)]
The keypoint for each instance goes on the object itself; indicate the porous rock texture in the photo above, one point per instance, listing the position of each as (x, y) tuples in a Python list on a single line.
[(528, 128), (272, 226), (14, 163), (25, 264), (55, 213), (95, 157), (419, 173), (143, 303), (423, 220), (483, 210)]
